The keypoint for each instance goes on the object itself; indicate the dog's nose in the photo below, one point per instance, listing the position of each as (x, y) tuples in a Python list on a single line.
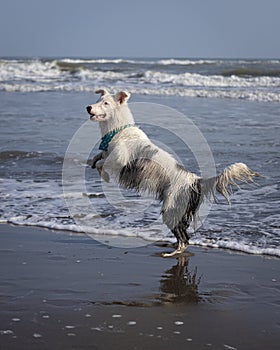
[(88, 109)]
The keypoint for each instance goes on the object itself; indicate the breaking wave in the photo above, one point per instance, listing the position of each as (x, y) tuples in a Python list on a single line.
[(252, 80)]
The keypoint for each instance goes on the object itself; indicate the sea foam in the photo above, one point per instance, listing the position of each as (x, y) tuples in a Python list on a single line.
[(189, 78), (42, 204)]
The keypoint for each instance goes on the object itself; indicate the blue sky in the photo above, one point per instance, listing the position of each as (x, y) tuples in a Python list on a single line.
[(143, 28)]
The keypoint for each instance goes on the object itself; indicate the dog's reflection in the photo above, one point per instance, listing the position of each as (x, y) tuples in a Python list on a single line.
[(179, 285)]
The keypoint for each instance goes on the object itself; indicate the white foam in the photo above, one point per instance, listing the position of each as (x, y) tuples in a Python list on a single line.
[(169, 61), (198, 80), (41, 204), (33, 70), (87, 74), (44, 76), (144, 235), (101, 61), (254, 95), (240, 246), (185, 62)]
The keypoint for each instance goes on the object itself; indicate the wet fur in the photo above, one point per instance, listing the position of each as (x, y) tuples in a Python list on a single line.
[(136, 163)]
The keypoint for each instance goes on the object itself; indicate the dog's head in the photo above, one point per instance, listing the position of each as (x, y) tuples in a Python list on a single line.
[(105, 107)]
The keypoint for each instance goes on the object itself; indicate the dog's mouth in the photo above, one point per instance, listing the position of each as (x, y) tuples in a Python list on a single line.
[(97, 117)]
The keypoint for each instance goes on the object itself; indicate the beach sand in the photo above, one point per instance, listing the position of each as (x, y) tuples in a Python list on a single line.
[(67, 291)]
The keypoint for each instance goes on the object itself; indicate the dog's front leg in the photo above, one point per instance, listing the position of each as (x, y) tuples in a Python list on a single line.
[(99, 166), (96, 159)]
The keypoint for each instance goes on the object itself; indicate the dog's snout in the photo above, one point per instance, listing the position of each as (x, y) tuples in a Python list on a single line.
[(88, 109)]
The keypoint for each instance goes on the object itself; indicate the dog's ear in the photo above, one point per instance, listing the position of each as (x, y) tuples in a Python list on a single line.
[(122, 96), (102, 92)]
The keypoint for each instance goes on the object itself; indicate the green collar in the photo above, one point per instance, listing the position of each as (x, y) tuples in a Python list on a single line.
[(106, 139)]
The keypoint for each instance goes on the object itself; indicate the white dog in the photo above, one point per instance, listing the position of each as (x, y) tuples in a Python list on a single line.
[(136, 163)]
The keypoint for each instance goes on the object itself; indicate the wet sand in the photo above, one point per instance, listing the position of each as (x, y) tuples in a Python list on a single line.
[(62, 291)]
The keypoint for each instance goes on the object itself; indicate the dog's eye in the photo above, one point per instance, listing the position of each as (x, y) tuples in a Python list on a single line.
[(106, 103)]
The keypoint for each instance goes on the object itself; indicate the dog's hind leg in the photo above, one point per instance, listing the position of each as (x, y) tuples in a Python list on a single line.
[(180, 232)]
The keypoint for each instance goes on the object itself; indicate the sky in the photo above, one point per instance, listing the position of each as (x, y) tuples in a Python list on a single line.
[(142, 28)]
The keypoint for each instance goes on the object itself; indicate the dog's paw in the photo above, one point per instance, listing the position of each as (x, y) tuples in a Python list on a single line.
[(95, 159), (105, 176), (170, 255)]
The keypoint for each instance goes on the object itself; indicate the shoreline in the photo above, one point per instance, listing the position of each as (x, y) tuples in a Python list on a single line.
[(61, 291), (134, 241)]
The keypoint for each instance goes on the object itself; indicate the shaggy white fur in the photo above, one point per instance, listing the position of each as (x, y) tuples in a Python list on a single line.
[(136, 163)]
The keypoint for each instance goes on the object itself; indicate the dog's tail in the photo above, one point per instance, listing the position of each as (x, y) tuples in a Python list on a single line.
[(223, 183)]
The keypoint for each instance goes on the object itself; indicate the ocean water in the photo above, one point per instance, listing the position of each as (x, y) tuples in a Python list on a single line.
[(256, 80), (234, 103)]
